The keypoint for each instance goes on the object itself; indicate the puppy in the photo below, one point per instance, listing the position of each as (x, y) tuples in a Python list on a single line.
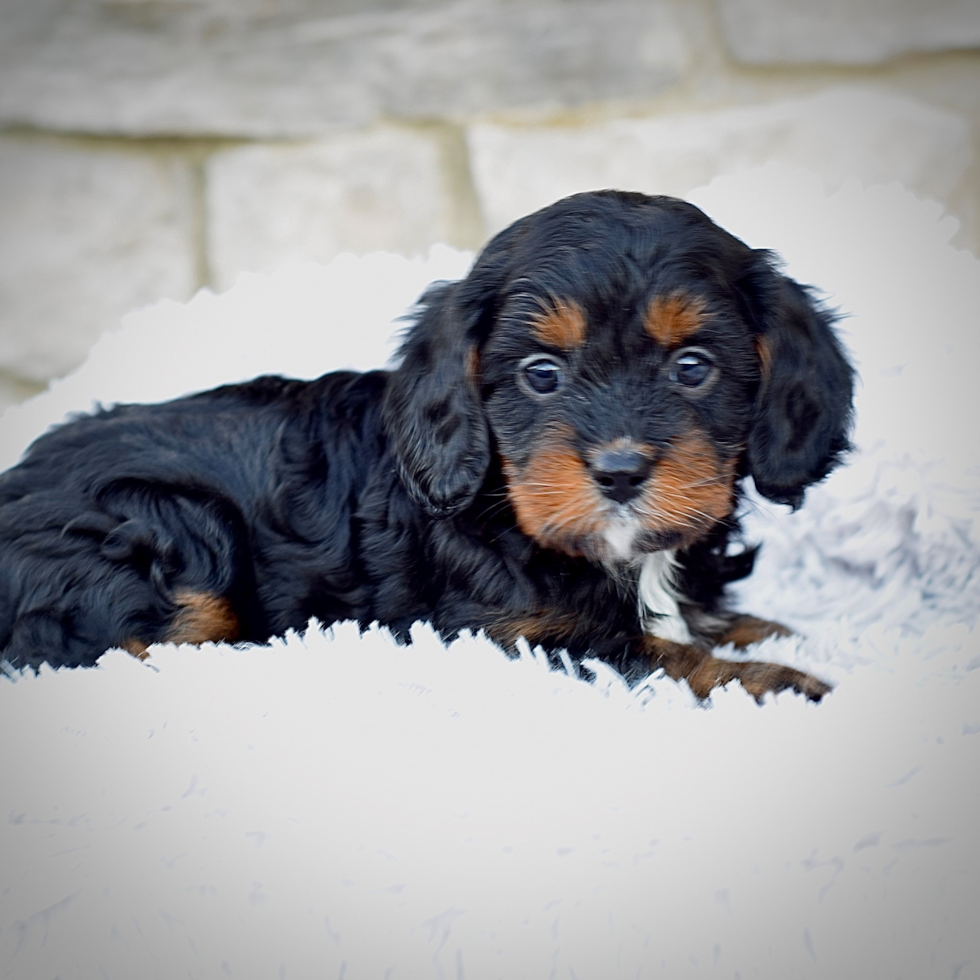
[(558, 455)]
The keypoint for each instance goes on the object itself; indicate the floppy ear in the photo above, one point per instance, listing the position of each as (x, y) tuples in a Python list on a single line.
[(432, 410), (803, 409)]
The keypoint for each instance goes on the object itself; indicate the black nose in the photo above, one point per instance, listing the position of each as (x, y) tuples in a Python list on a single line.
[(621, 473)]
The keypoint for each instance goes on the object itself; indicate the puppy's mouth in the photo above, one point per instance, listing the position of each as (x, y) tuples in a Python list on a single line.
[(563, 503)]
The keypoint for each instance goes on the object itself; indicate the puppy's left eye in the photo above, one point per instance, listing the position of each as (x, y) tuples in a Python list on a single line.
[(691, 368), (542, 375)]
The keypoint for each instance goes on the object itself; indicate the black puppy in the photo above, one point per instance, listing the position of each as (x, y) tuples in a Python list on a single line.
[(557, 456)]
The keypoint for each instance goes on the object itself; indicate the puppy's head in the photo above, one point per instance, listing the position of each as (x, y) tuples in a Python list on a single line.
[(628, 361)]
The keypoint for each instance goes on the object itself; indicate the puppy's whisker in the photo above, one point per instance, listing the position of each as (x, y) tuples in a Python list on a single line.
[(498, 508)]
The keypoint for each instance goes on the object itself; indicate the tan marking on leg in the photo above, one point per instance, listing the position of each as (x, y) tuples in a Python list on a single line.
[(136, 648), (203, 618), (743, 631), (673, 319), (704, 673), (534, 628)]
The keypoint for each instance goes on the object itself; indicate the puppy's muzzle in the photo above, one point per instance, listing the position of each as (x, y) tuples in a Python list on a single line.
[(621, 473)]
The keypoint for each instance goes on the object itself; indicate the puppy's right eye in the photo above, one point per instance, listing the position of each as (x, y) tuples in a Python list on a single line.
[(542, 375)]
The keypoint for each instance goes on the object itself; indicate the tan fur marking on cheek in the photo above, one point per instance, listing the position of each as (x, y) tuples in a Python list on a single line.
[(690, 489), (203, 618), (673, 319), (554, 497), (562, 326)]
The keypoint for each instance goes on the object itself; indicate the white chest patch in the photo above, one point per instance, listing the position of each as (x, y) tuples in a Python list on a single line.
[(657, 595)]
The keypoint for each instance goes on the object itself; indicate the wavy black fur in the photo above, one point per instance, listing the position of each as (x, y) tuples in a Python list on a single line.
[(379, 497)]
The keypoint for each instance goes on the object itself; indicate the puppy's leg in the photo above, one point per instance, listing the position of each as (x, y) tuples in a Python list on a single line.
[(704, 673), (199, 618), (680, 661), (147, 567), (742, 631)]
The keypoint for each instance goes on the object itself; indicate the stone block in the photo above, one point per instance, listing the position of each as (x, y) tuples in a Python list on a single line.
[(271, 205), (873, 135), (302, 67), (87, 234), (848, 32)]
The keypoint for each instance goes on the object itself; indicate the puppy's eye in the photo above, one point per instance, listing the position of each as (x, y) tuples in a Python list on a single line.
[(691, 368), (542, 375)]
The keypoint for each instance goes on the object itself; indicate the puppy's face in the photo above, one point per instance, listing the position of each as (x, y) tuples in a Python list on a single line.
[(620, 415), (628, 361)]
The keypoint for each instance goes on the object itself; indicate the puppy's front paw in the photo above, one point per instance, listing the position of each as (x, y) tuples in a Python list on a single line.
[(756, 677), (704, 673), (742, 631)]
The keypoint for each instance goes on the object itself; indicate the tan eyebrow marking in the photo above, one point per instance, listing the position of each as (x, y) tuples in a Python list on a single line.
[(672, 319), (563, 325)]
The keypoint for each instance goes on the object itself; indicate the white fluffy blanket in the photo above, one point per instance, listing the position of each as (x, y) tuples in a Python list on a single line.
[(335, 806)]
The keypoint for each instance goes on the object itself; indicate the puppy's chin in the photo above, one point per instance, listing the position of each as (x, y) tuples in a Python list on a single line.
[(618, 537), (625, 541)]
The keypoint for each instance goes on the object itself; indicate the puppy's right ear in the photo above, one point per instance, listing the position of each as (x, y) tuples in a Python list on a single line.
[(433, 413)]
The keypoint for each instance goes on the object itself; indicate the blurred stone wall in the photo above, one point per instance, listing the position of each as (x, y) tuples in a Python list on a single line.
[(151, 147)]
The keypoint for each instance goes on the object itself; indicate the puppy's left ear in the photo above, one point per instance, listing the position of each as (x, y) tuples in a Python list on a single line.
[(803, 409), (432, 409)]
